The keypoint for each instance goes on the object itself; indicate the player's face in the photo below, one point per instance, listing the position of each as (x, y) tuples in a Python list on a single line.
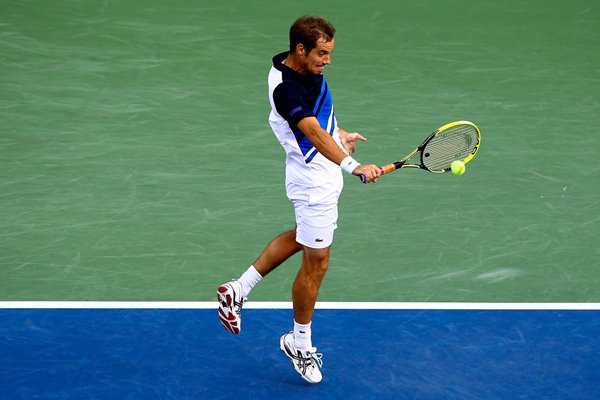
[(319, 57)]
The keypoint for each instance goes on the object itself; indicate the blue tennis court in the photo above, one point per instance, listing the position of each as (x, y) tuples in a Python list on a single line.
[(385, 354)]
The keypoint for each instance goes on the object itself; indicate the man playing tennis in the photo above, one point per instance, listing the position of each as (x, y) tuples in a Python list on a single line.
[(303, 120)]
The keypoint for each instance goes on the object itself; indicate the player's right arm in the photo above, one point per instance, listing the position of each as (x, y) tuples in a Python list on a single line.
[(325, 144)]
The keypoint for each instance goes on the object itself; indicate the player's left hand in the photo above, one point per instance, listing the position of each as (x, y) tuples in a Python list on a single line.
[(349, 141)]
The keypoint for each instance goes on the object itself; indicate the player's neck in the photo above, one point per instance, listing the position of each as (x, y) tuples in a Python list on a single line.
[(293, 61)]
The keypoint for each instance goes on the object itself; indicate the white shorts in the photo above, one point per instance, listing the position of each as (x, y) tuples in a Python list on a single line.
[(316, 214)]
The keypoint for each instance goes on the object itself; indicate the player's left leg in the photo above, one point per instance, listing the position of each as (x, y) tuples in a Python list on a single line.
[(232, 295), (277, 251)]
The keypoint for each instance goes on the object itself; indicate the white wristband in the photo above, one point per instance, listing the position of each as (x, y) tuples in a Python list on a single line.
[(348, 164)]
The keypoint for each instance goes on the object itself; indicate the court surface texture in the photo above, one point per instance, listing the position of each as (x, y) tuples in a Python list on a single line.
[(391, 352), (138, 172)]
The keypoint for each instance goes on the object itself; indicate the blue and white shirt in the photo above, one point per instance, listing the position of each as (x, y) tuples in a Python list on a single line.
[(294, 96)]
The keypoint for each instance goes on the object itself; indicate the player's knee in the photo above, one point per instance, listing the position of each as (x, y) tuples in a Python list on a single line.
[(321, 267), (317, 261)]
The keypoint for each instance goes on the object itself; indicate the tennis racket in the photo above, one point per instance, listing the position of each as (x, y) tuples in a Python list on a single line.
[(457, 140)]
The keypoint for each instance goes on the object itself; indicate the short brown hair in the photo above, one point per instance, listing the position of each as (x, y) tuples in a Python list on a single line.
[(308, 30)]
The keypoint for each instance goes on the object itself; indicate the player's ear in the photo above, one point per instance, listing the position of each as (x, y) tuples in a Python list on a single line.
[(300, 49)]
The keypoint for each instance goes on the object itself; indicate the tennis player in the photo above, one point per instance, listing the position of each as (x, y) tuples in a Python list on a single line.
[(317, 150)]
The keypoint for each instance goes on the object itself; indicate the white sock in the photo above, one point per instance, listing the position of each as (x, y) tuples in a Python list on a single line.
[(302, 336), (249, 279)]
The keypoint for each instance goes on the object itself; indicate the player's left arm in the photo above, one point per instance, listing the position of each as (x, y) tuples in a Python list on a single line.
[(348, 139)]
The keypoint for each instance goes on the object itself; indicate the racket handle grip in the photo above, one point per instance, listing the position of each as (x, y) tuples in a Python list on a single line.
[(363, 178)]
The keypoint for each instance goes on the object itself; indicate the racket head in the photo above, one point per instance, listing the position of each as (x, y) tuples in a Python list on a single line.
[(458, 140)]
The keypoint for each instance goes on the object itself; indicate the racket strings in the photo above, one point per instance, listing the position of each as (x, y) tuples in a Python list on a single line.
[(455, 143)]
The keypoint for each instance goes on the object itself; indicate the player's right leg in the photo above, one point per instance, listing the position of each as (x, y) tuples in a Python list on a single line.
[(306, 362), (297, 345), (305, 289), (316, 224)]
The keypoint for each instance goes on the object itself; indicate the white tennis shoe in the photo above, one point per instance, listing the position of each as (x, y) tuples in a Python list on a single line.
[(229, 296), (306, 363)]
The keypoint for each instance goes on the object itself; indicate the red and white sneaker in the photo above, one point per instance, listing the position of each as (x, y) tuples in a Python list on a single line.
[(229, 296)]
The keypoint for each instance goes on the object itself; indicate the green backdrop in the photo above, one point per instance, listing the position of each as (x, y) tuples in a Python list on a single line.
[(136, 161)]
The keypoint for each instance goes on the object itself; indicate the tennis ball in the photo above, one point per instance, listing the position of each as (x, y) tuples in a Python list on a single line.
[(457, 167)]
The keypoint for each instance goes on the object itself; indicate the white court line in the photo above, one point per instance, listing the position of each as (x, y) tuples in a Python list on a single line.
[(288, 305)]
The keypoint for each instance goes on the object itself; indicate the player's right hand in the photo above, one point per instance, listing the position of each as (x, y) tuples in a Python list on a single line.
[(370, 172)]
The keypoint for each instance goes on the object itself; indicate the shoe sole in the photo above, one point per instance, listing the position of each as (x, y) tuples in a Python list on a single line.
[(230, 321)]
